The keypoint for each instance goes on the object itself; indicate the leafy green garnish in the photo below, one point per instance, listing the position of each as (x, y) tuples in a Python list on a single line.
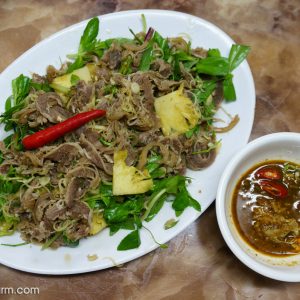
[(170, 223), (228, 88), (163, 45), (163, 188), (20, 88), (110, 89), (74, 79), (120, 211), (70, 243), (104, 142), (87, 45), (216, 66), (41, 86), (147, 58), (136, 37), (144, 23), (14, 103), (237, 54), (51, 240), (184, 200), (214, 52), (15, 245), (192, 131), (100, 198), (131, 241), (126, 64)]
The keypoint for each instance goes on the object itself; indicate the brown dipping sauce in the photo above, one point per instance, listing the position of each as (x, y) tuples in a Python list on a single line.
[(266, 207)]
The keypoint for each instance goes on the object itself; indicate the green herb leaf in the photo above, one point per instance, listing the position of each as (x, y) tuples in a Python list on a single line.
[(144, 23), (74, 79), (126, 65), (20, 88), (70, 243), (163, 45), (192, 131), (170, 223), (104, 142), (129, 224), (110, 89), (131, 241), (156, 207), (41, 86), (8, 103), (147, 58), (216, 66), (77, 64), (15, 245), (176, 67), (88, 39), (228, 88), (184, 200), (136, 37), (214, 53), (237, 54), (119, 212), (88, 44), (51, 240)]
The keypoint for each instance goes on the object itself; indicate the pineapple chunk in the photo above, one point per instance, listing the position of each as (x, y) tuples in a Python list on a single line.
[(129, 180), (98, 223), (177, 113), (63, 83)]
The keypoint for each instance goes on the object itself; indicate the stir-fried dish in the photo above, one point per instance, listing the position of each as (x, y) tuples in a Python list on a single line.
[(105, 140), (266, 207)]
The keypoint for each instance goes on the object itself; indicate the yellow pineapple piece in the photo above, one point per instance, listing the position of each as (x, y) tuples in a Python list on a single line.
[(177, 113), (129, 180), (63, 83), (98, 223)]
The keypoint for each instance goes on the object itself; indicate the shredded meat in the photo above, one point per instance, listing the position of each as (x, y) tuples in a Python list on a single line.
[(49, 105)]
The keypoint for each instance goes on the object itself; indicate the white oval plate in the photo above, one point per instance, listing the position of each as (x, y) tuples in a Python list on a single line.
[(53, 50)]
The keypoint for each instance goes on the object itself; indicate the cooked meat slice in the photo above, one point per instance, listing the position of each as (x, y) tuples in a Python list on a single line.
[(162, 67), (80, 210), (200, 161), (197, 156), (28, 199), (145, 84), (113, 56), (34, 232), (40, 206), (56, 210), (81, 179), (218, 94), (76, 188), (93, 155), (50, 106), (65, 153), (81, 95)]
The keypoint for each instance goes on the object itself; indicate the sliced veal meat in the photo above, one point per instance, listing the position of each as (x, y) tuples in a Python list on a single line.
[(50, 106), (65, 153)]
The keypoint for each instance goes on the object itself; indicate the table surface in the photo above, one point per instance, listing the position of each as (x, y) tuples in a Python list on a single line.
[(197, 264)]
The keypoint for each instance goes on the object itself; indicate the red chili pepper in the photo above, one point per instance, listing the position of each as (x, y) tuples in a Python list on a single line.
[(269, 172), (274, 188), (56, 131)]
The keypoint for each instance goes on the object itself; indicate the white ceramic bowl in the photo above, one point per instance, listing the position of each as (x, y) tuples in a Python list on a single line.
[(284, 146)]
